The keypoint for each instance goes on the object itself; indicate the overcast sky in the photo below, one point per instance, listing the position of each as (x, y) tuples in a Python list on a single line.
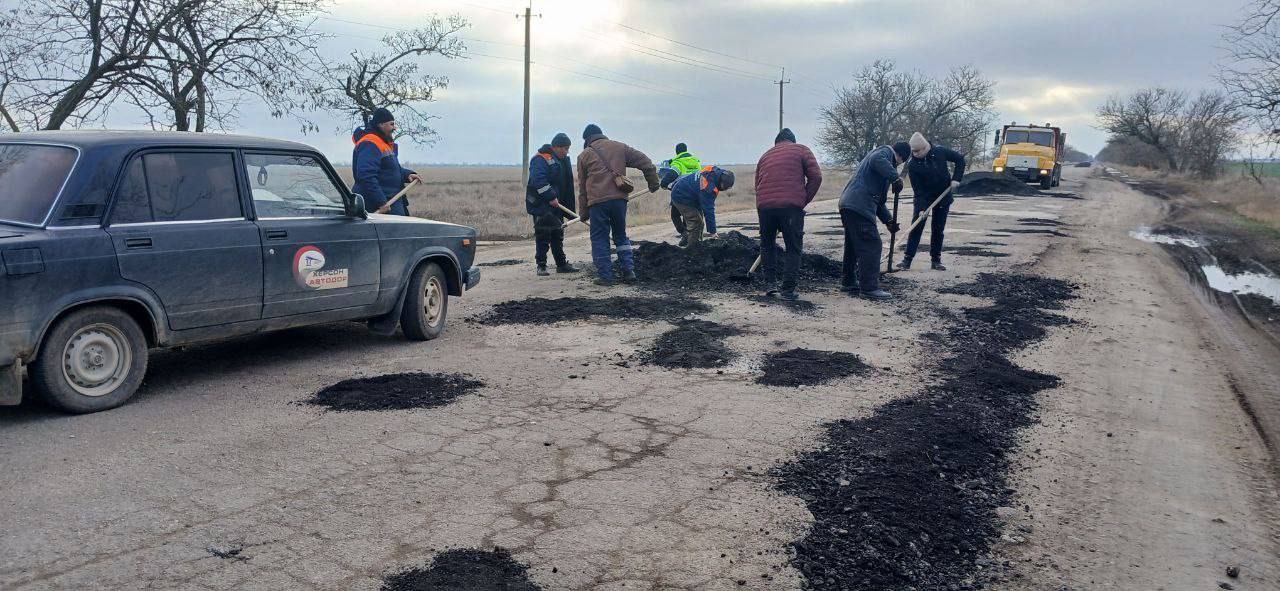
[(1052, 61)]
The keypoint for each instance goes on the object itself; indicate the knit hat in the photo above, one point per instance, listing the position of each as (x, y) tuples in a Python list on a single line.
[(666, 176), (785, 135), (918, 142), (681, 148), (726, 180), (592, 129), (903, 150), (560, 140), (380, 115)]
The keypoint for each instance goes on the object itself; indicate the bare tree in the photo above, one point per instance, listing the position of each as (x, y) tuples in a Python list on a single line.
[(885, 105), (1073, 154), (213, 53), (393, 79), (1252, 74), (1151, 116), (1130, 152), (1190, 134), (65, 60)]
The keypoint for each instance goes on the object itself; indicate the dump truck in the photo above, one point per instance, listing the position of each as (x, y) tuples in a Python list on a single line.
[(1032, 153)]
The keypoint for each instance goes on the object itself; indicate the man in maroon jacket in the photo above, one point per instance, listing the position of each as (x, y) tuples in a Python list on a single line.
[(787, 178)]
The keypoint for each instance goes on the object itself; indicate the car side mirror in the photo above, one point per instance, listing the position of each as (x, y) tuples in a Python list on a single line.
[(357, 203)]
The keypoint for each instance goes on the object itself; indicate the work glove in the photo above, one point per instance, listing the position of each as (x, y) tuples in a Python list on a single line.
[(955, 185), (897, 186), (653, 187), (893, 227), (555, 203)]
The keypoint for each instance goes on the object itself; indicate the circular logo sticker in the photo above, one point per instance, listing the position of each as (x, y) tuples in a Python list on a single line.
[(306, 261)]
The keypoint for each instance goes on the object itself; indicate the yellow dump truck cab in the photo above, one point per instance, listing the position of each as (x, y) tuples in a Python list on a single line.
[(1031, 153)]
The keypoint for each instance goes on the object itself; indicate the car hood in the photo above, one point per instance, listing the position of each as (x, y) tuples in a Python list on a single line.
[(9, 233), (414, 224)]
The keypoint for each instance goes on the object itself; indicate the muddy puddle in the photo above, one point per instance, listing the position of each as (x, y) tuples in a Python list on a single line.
[(399, 391), (1267, 286), (1147, 234), (465, 570)]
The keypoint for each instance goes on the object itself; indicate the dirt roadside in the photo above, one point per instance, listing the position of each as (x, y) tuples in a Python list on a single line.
[(599, 473), (1145, 472)]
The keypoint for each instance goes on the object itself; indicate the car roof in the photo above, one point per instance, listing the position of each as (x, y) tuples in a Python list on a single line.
[(89, 139)]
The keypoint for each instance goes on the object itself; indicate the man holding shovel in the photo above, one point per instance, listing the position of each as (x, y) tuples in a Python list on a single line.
[(375, 164), (787, 179), (549, 199), (930, 177), (861, 202), (604, 187)]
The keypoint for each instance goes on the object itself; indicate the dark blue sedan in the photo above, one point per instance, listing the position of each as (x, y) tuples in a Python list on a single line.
[(115, 242)]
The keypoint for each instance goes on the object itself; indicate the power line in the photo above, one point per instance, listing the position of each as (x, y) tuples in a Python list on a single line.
[(691, 46)]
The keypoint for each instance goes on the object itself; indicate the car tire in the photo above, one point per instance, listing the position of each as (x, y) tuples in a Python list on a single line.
[(91, 360), (426, 305)]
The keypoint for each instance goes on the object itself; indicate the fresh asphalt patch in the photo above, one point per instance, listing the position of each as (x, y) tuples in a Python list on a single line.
[(465, 570), (552, 310), (398, 391), (692, 343), (501, 263), (1032, 231), (1040, 222), (973, 251), (808, 367), (906, 498), (710, 265)]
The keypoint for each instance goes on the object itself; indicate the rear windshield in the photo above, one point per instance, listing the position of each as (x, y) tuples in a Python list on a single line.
[(30, 179), (1022, 136)]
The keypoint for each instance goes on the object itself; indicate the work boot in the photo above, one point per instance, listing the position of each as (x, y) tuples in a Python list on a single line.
[(684, 241), (629, 276), (938, 266), (789, 295), (849, 288), (904, 265), (878, 295), (542, 271), (603, 281), (566, 268)]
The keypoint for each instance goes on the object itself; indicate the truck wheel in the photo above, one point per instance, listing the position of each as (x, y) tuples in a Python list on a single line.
[(93, 359), (1057, 176), (1046, 182), (426, 305)]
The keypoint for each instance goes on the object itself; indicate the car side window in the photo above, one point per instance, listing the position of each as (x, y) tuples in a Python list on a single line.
[(292, 185), (178, 187)]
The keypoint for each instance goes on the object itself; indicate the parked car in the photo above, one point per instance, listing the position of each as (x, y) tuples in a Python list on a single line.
[(112, 243)]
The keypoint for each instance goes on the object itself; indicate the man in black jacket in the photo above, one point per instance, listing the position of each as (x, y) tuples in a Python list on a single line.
[(929, 178)]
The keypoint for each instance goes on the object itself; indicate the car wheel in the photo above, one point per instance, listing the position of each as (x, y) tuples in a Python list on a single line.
[(91, 360), (426, 306)]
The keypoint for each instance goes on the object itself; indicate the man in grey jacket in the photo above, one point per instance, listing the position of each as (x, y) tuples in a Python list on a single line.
[(861, 203)]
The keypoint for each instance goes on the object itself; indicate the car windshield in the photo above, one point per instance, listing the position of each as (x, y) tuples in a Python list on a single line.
[(30, 178), (1025, 136)]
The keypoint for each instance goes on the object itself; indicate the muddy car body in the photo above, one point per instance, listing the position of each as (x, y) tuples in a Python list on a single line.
[(115, 242)]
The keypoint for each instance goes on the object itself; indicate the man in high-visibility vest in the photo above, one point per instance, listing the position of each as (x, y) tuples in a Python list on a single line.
[(684, 163), (375, 164)]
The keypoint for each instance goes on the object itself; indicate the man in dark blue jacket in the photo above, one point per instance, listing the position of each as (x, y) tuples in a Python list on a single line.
[(375, 164), (550, 186), (929, 178), (861, 202), (694, 195)]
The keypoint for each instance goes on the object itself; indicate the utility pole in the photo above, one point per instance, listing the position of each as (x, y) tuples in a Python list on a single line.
[(781, 81), (524, 161)]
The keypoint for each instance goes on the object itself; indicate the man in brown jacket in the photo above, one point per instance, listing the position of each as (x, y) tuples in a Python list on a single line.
[(604, 199)]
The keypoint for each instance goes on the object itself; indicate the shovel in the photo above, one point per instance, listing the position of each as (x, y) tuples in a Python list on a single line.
[(577, 219), (893, 236), (570, 212), (924, 215), (397, 196)]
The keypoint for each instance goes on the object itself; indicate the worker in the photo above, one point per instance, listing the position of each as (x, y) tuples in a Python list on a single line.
[(929, 178), (602, 167), (787, 178), (862, 201), (684, 163), (550, 188), (694, 194), (375, 164)]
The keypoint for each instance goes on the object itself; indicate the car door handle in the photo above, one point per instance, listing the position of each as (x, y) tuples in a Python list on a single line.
[(137, 243), (277, 234)]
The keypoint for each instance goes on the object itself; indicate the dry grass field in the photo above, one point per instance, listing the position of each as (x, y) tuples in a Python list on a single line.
[(491, 200)]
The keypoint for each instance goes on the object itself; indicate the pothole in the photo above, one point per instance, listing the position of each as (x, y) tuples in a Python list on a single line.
[(552, 310), (398, 391), (693, 343), (465, 570), (808, 367)]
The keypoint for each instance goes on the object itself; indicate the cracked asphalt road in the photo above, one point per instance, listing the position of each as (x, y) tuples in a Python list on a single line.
[(618, 478)]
